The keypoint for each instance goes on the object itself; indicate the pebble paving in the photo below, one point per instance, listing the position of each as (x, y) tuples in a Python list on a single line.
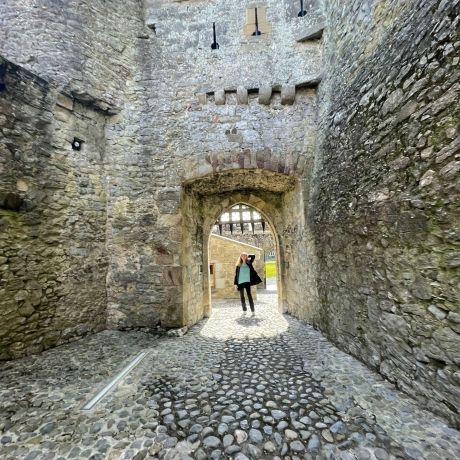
[(234, 387)]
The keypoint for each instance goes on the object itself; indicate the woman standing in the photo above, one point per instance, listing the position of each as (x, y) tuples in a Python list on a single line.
[(245, 277)]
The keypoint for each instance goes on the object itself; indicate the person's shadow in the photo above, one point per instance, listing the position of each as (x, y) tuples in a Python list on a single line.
[(249, 321)]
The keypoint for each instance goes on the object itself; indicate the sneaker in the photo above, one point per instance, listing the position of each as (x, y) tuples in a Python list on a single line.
[(253, 313), (244, 313)]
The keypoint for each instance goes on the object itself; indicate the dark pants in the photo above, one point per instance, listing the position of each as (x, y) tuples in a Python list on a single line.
[(247, 287)]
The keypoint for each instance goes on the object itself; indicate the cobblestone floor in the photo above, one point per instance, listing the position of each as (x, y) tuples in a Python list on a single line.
[(267, 387)]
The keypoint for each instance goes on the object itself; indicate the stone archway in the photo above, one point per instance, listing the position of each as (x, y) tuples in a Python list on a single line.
[(215, 210), (274, 237), (277, 196)]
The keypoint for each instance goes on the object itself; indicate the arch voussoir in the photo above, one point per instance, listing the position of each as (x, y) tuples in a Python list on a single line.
[(262, 160)]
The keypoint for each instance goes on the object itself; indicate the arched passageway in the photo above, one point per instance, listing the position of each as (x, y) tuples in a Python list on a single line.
[(276, 196)]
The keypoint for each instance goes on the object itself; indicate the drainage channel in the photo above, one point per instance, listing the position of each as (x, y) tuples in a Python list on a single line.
[(114, 382)]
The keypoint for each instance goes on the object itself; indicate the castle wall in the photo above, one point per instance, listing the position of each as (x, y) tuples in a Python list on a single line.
[(260, 240), (69, 65), (174, 133), (194, 121), (173, 112), (83, 46), (53, 261), (385, 211)]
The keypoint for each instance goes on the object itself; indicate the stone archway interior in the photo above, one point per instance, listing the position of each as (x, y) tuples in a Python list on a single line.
[(275, 195)]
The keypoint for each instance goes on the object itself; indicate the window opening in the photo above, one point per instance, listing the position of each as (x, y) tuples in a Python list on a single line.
[(257, 31), (76, 144), (256, 22), (242, 217), (212, 275), (215, 45)]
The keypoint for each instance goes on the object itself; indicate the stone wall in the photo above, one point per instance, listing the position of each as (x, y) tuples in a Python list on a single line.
[(261, 240), (90, 51), (386, 192), (193, 112), (53, 261), (183, 32), (86, 47), (223, 253), (176, 111)]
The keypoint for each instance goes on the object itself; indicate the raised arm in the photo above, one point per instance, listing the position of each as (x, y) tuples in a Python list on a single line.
[(251, 258)]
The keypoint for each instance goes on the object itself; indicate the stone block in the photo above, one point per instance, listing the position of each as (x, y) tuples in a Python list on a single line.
[(288, 95), (22, 185), (314, 32), (264, 26), (438, 313), (65, 101), (394, 324), (219, 97), (242, 95), (202, 98), (265, 94)]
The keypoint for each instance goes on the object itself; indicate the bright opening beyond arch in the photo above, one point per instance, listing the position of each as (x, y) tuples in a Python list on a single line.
[(242, 229)]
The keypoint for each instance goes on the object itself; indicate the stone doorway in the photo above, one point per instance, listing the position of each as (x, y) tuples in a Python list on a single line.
[(242, 228), (279, 198)]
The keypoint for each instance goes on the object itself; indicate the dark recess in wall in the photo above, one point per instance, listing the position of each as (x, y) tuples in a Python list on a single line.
[(3, 68)]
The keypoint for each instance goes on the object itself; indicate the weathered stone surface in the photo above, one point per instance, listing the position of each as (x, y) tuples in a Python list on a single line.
[(265, 94), (314, 32), (242, 95), (361, 195), (380, 231), (52, 214), (219, 97), (178, 380), (288, 94), (202, 98)]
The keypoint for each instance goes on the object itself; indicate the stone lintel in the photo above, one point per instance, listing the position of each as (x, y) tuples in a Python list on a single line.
[(312, 33), (65, 101), (237, 179), (312, 83), (94, 103)]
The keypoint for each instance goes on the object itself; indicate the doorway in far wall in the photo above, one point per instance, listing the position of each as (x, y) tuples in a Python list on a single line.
[(239, 229)]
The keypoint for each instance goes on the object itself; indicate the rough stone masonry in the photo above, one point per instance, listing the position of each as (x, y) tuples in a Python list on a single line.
[(123, 136)]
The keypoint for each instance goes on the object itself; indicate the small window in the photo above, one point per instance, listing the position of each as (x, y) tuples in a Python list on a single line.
[(246, 215), (256, 22)]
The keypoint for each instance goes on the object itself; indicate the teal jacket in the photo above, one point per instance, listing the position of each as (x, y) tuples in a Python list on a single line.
[(255, 278)]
